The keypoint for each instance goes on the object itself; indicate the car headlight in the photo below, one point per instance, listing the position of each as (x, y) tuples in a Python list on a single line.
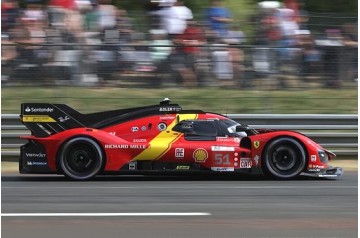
[(324, 158)]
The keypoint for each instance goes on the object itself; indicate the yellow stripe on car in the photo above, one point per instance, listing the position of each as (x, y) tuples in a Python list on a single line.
[(163, 141), (37, 118)]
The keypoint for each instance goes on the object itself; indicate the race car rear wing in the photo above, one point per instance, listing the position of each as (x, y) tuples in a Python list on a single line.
[(44, 119)]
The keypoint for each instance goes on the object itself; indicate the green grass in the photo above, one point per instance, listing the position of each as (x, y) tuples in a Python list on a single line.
[(336, 101)]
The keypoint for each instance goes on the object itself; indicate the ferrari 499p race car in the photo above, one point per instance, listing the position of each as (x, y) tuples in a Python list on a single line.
[(161, 138)]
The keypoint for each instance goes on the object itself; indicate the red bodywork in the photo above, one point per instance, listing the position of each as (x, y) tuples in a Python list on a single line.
[(151, 143)]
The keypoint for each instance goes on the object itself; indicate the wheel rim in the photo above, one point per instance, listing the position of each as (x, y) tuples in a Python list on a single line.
[(81, 158), (285, 158)]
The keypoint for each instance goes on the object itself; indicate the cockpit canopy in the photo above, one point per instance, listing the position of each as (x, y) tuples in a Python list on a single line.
[(209, 128)]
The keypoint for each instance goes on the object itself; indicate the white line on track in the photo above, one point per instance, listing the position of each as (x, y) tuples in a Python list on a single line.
[(121, 214), (182, 187)]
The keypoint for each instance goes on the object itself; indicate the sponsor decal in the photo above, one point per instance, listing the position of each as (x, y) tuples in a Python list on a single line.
[(116, 146), (37, 118), (256, 159), (313, 158), (134, 129), (143, 128), (314, 170), (256, 144), (63, 119), (140, 140), (222, 148), (179, 153), (182, 167), (169, 109), (225, 169), (138, 146), (165, 118), (125, 146), (245, 163), (132, 165), (35, 155), (162, 126), (315, 166), (36, 163), (200, 155), (227, 139), (39, 109), (112, 133)]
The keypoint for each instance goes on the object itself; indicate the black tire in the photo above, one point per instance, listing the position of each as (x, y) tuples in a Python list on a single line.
[(284, 158), (81, 158)]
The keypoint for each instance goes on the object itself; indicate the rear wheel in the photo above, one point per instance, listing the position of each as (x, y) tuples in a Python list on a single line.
[(284, 158), (81, 158)]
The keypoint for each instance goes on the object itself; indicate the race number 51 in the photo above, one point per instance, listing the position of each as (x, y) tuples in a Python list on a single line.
[(222, 160)]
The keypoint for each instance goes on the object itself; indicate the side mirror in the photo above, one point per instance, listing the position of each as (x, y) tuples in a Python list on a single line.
[(242, 128), (248, 130)]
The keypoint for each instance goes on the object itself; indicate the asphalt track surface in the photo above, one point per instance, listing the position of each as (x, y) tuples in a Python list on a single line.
[(191, 206)]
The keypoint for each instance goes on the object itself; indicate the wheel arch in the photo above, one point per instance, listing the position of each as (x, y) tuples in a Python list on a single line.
[(268, 143), (63, 143)]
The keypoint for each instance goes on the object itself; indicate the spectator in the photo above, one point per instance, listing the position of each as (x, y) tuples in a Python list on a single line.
[(34, 12), (350, 40), (268, 36), (174, 19), (74, 22), (124, 26), (270, 24), (288, 27), (8, 56), (57, 10), (218, 18), (160, 46), (160, 50), (107, 15), (188, 51), (228, 58), (90, 16), (222, 67), (331, 48), (9, 15), (303, 20), (309, 56), (154, 11)]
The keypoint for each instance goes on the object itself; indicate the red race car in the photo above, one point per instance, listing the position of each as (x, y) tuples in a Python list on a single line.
[(161, 138)]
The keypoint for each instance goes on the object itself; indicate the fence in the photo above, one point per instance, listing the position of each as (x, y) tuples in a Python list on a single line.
[(337, 133), (56, 54), (240, 66)]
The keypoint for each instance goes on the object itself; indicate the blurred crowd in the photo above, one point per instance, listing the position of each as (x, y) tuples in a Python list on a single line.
[(92, 41)]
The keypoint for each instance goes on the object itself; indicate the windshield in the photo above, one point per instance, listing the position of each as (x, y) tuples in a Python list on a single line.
[(231, 127)]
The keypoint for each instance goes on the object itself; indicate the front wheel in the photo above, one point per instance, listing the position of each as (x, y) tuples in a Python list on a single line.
[(81, 158), (284, 158)]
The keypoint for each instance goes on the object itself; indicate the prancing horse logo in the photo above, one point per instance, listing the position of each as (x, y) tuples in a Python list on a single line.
[(256, 144)]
